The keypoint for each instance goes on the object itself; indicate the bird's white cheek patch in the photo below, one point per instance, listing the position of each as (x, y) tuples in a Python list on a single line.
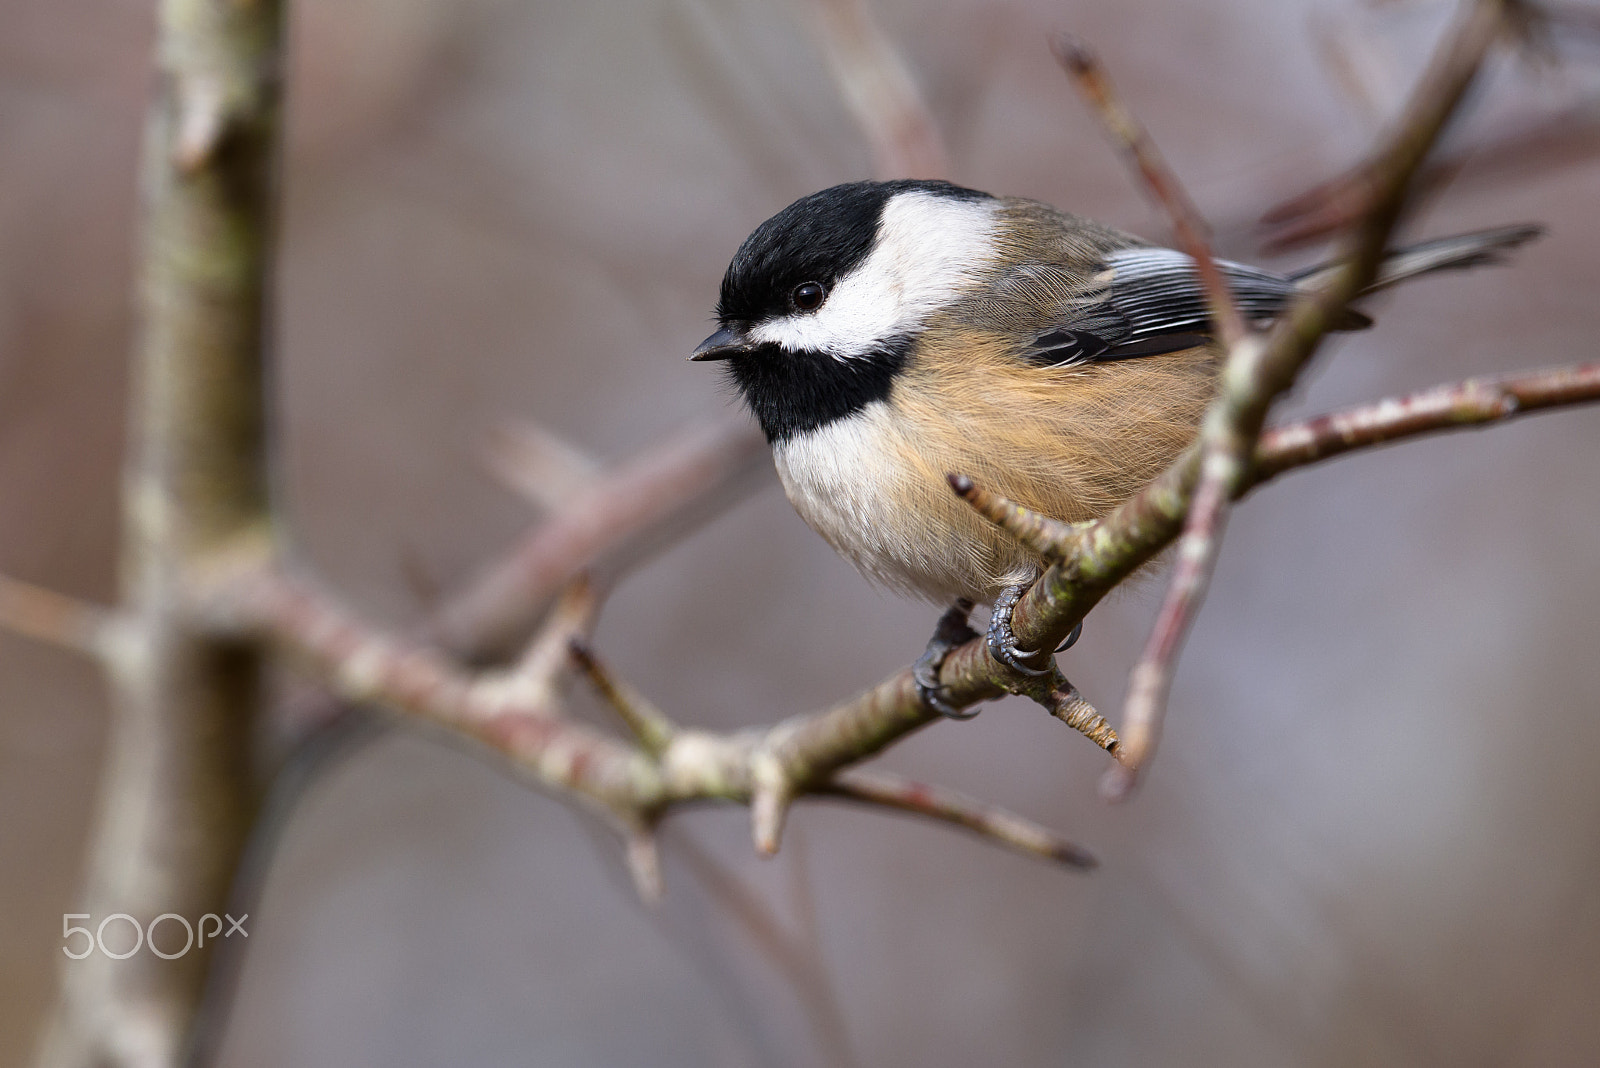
[(928, 248)]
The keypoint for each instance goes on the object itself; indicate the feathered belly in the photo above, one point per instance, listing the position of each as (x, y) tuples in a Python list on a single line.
[(884, 505), (1069, 444)]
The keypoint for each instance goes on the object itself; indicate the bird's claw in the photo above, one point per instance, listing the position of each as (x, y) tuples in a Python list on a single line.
[(951, 632), (1003, 643), (1072, 639)]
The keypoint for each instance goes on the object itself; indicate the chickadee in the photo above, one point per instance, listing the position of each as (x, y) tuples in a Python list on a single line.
[(887, 334)]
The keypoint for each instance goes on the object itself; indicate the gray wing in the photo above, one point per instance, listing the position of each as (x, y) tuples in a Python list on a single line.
[(1144, 301)]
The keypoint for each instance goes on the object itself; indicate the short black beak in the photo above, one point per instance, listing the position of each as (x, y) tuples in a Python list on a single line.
[(721, 345)]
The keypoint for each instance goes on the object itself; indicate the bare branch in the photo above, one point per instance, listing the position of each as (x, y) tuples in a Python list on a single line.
[(1048, 537), (1257, 373), (622, 518), (1095, 557), (1151, 679), (806, 754), (1474, 402), (52, 617), (632, 786), (642, 853), (1159, 181), (177, 799), (950, 806), (880, 91), (536, 684), (366, 666), (540, 466), (650, 726)]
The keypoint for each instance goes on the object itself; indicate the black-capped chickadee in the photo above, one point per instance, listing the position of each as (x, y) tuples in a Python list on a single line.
[(887, 334)]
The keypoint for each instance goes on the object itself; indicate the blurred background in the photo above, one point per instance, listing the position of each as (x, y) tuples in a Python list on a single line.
[(1370, 834)]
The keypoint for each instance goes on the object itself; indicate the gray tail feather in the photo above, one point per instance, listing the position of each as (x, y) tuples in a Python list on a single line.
[(1461, 251)]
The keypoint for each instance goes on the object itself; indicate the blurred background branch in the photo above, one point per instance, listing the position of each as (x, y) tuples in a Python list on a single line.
[(879, 90), (614, 523)]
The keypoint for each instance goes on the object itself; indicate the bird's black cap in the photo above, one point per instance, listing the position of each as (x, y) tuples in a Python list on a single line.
[(818, 238)]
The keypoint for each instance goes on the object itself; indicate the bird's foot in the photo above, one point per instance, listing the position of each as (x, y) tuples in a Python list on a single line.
[(951, 631), (1003, 643)]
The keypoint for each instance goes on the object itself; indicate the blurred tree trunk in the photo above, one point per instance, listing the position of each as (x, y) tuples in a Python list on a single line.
[(177, 798)]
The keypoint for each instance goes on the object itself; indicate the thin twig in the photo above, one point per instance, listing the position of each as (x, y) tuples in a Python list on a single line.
[(1073, 709), (1151, 679), (624, 517), (642, 853), (1159, 181), (1095, 557), (571, 620), (1257, 373), (1323, 210), (773, 787), (1050, 538), (546, 470), (796, 959), (52, 617), (950, 806), (880, 92), (535, 685), (649, 725), (364, 665), (1208, 508), (1472, 403), (633, 786)]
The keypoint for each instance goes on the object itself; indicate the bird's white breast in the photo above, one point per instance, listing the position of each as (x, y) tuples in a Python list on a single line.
[(857, 483)]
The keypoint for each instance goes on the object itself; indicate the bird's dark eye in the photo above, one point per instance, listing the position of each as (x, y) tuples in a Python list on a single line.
[(808, 296)]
